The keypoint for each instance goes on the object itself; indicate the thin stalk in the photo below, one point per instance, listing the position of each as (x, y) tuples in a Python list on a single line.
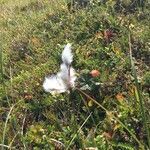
[(2, 74), (5, 126), (1, 65), (87, 109), (113, 116), (79, 130), (6, 146), (10, 145), (139, 96)]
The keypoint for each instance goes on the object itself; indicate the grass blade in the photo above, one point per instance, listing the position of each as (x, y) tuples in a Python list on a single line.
[(6, 122), (138, 92), (78, 130), (120, 122)]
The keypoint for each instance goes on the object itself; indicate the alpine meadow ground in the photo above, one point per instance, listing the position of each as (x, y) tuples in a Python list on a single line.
[(106, 105)]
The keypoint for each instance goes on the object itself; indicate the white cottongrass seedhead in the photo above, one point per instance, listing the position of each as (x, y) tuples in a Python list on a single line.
[(54, 84), (65, 78), (67, 56)]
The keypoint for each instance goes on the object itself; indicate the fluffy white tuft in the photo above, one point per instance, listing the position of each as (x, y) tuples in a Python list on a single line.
[(63, 74), (54, 85), (65, 78), (67, 56), (72, 77)]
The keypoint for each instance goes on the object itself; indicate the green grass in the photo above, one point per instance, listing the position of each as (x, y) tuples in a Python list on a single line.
[(113, 115)]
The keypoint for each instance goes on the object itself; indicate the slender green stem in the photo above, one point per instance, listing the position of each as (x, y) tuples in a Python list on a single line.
[(6, 122), (6, 146), (5, 126), (79, 130), (87, 109), (139, 96), (2, 74), (10, 145), (108, 112), (1, 63)]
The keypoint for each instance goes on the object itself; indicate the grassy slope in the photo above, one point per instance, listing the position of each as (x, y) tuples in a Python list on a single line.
[(34, 34)]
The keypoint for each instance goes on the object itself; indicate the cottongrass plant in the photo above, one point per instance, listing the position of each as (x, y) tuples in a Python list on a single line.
[(64, 80)]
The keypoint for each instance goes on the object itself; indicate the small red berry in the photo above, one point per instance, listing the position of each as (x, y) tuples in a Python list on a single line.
[(95, 73)]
